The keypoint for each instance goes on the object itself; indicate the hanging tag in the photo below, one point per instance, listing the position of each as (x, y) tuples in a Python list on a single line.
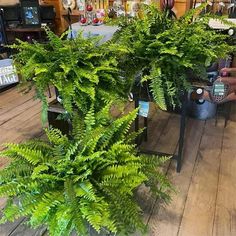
[(143, 108), (219, 91)]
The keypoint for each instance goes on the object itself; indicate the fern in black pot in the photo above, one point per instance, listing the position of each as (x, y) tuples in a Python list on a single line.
[(163, 50)]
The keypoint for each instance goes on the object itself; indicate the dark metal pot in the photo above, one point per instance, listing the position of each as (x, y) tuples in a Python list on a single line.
[(201, 110)]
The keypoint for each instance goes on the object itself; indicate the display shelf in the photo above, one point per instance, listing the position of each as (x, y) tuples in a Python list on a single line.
[(27, 33), (25, 29)]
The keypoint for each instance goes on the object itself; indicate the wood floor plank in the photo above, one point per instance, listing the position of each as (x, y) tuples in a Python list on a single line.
[(7, 228), (13, 100), (168, 140), (163, 134), (18, 129), (198, 215), (24, 230), (166, 221), (8, 95), (233, 112), (16, 122), (22, 108), (23, 126), (225, 215), (30, 128)]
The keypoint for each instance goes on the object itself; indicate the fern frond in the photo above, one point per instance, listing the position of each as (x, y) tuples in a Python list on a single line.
[(11, 212), (49, 201), (8, 189), (55, 136), (32, 156), (16, 168), (158, 91), (85, 190), (117, 130), (89, 119)]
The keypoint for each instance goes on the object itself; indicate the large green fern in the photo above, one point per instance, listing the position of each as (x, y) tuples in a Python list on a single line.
[(68, 184), (83, 71), (164, 50)]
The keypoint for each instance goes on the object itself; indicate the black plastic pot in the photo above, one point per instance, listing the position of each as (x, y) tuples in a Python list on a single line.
[(201, 110)]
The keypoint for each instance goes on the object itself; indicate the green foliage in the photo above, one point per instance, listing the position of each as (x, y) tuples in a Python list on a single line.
[(161, 49), (84, 71), (165, 50), (90, 179)]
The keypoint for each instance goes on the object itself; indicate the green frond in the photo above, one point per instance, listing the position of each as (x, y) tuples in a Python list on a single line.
[(79, 224), (48, 202), (158, 92), (11, 212), (117, 130), (64, 221), (16, 168), (8, 189), (32, 156), (91, 145), (103, 116), (89, 119), (78, 130), (133, 135), (39, 145), (55, 41), (55, 136), (85, 190), (72, 150)]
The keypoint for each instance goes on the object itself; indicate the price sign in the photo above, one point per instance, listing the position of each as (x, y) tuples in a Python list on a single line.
[(143, 108), (8, 73)]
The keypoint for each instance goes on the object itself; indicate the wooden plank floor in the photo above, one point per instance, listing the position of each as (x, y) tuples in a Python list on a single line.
[(206, 187)]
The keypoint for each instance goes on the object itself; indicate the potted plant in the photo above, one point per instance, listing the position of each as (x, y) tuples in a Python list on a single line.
[(88, 180), (83, 71), (164, 50)]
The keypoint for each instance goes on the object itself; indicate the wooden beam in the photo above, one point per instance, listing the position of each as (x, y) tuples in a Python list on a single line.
[(189, 4)]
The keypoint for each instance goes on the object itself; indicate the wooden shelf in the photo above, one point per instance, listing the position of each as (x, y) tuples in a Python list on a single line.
[(25, 29)]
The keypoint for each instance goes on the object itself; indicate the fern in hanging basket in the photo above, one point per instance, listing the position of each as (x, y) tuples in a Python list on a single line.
[(69, 184)]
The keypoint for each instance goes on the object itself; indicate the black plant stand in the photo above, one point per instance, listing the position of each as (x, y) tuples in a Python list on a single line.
[(179, 155)]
